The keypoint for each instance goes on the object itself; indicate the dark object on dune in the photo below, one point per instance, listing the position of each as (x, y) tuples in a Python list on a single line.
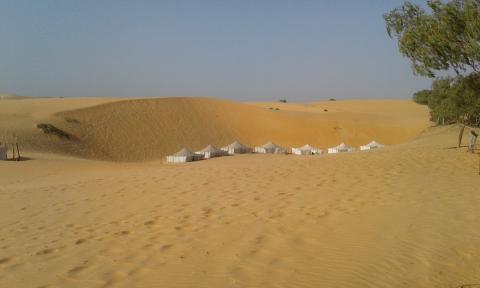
[(325, 110), (50, 129), (277, 108), (332, 99), (71, 120), (283, 100)]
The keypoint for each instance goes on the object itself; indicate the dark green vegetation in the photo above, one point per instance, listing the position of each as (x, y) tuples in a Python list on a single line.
[(446, 39), (453, 99), (52, 130)]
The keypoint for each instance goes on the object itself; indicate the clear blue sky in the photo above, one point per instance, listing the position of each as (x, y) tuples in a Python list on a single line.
[(242, 50)]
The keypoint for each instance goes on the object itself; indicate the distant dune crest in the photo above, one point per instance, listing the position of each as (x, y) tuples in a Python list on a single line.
[(150, 129), (7, 96)]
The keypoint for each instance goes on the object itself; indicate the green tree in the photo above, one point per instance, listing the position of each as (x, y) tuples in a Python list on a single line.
[(447, 38), (422, 96), (453, 99)]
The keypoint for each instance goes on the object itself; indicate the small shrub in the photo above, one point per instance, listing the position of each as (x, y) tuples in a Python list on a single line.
[(325, 110), (50, 129), (332, 99), (283, 100)]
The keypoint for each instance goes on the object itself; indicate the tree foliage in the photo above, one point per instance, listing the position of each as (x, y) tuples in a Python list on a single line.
[(446, 38), (453, 99), (421, 97)]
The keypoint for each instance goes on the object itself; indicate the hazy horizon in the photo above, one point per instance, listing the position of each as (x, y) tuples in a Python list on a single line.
[(297, 50)]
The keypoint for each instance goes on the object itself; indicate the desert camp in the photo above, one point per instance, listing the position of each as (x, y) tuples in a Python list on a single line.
[(240, 144), (210, 151)]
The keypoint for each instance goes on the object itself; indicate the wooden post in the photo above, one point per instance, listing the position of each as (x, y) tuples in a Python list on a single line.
[(460, 136), (18, 152), (13, 152)]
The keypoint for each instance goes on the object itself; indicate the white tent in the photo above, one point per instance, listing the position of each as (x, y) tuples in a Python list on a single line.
[(271, 148), (211, 151), (183, 156), (3, 153), (306, 150), (372, 145), (340, 148), (237, 148)]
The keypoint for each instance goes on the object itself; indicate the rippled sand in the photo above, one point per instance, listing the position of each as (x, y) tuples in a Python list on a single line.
[(404, 216)]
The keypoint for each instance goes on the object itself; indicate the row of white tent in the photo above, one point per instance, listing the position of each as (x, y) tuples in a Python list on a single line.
[(236, 147)]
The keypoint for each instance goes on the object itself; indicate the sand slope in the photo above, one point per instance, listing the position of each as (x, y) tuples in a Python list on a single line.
[(149, 129), (19, 117), (404, 216)]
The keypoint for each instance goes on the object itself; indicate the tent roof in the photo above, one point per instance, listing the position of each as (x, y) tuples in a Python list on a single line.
[(270, 145), (184, 152), (374, 144), (236, 145), (307, 147), (210, 148), (343, 146)]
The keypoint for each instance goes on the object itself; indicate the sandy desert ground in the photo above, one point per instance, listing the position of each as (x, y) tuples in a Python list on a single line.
[(403, 216)]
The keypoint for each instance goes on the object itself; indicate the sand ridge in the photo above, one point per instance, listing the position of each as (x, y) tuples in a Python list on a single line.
[(149, 129)]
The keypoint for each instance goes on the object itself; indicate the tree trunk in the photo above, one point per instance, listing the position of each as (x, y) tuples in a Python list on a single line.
[(460, 136), (13, 152), (18, 152)]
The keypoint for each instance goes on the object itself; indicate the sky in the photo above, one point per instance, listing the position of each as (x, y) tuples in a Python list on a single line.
[(243, 50)]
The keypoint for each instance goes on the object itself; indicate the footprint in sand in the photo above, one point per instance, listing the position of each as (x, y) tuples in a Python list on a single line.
[(80, 241), (149, 223), (122, 233), (166, 247), (46, 251), (74, 271)]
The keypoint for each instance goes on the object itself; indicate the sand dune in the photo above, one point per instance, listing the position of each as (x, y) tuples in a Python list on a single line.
[(403, 216), (149, 129), (18, 120)]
